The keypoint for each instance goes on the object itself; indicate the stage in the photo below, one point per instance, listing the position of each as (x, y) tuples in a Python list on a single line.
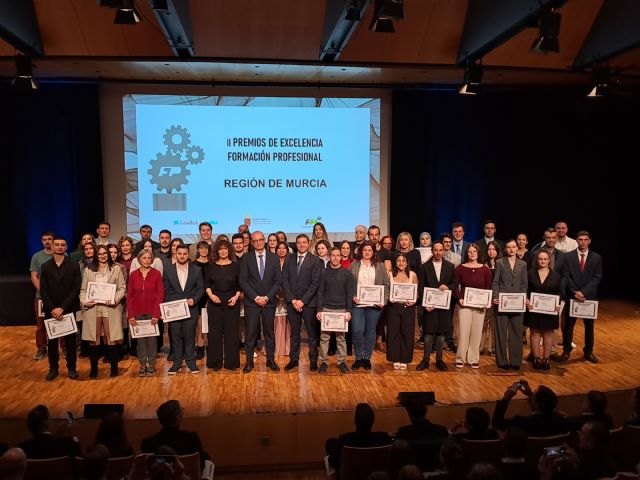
[(274, 407)]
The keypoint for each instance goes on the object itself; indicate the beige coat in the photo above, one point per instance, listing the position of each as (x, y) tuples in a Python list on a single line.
[(114, 314)]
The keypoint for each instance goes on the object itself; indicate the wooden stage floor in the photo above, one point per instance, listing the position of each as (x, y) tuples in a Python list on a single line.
[(300, 391)]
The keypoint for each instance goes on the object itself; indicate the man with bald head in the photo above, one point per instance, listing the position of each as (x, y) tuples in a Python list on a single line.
[(13, 464)]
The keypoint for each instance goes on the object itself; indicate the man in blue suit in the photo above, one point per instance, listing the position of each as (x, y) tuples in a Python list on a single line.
[(583, 272), (260, 280), (183, 281), (301, 278)]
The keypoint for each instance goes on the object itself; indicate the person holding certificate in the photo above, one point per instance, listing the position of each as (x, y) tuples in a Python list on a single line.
[(223, 308), (471, 274), (103, 289), (437, 322), (183, 281), (335, 295), (543, 280), (367, 272), (59, 289), (145, 293), (583, 272), (510, 277), (401, 313)]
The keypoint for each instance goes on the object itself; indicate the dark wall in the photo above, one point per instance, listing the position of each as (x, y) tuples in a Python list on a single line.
[(51, 168), (525, 160)]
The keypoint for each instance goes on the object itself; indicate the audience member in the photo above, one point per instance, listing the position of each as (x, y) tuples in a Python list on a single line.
[(595, 461), (634, 419), (451, 463), (43, 443), (362, 437), (13, 464), (544, 421), (410, 472), (94, 466), (593, 408), (170, 415), (111, 434), (513, 464), (475, 426), (483, 471)]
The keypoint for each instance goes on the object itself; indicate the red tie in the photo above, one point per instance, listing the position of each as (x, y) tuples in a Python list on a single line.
[(582, 262)]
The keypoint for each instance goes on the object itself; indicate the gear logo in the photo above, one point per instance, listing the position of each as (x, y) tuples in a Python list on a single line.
[(169, 170)]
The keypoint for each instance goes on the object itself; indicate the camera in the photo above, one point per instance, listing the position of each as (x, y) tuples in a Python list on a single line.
[(517, 385), (161, 459), (553, 452)]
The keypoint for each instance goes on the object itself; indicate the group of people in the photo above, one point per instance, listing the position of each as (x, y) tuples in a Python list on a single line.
[(257, 277)]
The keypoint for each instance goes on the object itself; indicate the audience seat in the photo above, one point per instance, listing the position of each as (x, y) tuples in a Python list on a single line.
[(117, 467), (490, 451), (626, 448), (60, 468), (358, 463), (192, 467)]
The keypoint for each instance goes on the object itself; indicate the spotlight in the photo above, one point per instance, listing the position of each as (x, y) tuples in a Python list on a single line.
[(472, 78), (601, 77), (385, 11), (24, 80), (549, 30)]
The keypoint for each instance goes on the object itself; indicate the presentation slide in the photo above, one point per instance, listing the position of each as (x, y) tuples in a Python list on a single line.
[(273, 163)]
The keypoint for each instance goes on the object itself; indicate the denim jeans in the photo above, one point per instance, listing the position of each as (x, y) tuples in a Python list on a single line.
[(363, 324)]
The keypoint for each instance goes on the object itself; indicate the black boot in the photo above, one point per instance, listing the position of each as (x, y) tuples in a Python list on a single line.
[(94, 355), (112, 353)]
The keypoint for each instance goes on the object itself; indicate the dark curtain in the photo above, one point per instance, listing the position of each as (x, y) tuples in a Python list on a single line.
[(51, 168), (523, 159)]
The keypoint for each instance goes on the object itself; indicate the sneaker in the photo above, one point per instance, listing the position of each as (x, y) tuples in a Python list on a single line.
[(173, 370), (323, 367), (40, 354), (475, 365), (396, 366), (357, 364), (403, 366), (343, 368), (459, 363), (143, 371), (151, 370), (193, 369)]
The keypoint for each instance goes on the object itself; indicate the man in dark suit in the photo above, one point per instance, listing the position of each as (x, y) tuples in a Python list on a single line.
[(441, 274), (583, 272), (170, 415), (43, 443), (460, 245), (260, 280), (301, 278), (183, 281), (544, 421), (489, 227)]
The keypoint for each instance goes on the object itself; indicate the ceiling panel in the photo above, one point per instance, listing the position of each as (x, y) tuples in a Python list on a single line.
[(269, 29), (430, 33)]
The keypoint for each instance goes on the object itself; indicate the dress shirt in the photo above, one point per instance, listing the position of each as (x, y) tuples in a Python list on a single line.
[(183, 273)]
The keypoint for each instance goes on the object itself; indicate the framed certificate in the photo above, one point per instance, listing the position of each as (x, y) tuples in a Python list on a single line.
[(477, 297), (60, 328), (404, 292), (512, 302), (586, 309), (371, 294), (334, 322), (176, 310), (433, 297), (101, 292), (204, 320), (144, 328), (543, 303)]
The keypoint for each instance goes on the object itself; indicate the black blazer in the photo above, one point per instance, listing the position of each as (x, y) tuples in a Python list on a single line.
[(194, 287), (586, 282), (46, 445), (302, 285), (60, 286), (536, 424), (183, 442), (429, 279), (482, 247), (251, 283)]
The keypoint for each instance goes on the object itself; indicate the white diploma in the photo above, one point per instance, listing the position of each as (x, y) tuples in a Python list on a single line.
[(371, 295), (60, 328), (144, 328), (204, 320), (543, 303), (512, 302), (101, 292), (176, 310), (477, 297), (404, 292), (586, 309), (334, 322), (433, 297)]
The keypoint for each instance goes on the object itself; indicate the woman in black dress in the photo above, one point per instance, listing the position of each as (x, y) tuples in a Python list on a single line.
[(202, 261), (543, 279), (223, 308)]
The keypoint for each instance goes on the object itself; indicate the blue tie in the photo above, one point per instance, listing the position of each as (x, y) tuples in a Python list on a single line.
[(261, 268)]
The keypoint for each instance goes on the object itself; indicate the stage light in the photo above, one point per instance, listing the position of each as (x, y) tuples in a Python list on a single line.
[(384, 13), (549, 31), (472, 78), (127, 14), (601, 77), (24, 75)]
